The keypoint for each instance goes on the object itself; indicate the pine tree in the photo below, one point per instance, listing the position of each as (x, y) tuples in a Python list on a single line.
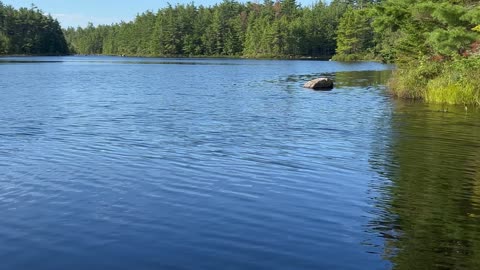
[(354, 35)]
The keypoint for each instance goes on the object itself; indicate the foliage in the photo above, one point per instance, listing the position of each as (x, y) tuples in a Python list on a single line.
[(29, 31), (354, 35), (435, 46), (457, 84), (410, 81), (269, 29)]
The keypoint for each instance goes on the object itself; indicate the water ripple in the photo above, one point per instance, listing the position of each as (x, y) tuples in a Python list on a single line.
[(203, 164)]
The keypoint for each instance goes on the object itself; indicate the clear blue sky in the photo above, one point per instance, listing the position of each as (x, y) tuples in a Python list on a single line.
[(80, 12)]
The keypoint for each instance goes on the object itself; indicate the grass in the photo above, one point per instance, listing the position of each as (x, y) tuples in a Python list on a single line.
[(450, 82), (446, 90)]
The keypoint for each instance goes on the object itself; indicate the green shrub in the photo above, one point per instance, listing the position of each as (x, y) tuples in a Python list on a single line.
[(450, 82), (410, 81), (457, 84)]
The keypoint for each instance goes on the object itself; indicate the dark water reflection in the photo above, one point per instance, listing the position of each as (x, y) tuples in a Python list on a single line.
[(429, 210)]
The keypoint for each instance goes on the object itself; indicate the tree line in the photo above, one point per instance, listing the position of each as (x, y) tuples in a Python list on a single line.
[(389, 30), (27, 31), (269, 29)]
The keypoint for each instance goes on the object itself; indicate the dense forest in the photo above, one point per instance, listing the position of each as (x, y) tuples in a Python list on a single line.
[(28, 31), (435, 45), (230, 28)]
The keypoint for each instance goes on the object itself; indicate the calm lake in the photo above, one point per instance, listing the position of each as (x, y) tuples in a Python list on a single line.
[(135, 163)]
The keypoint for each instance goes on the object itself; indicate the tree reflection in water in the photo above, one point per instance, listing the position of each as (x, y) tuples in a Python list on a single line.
[(429, 205)]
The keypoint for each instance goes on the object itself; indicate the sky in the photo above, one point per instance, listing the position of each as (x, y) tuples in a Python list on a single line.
[(80, 12)]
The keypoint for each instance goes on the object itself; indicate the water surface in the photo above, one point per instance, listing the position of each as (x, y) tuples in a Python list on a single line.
[(137, 163)]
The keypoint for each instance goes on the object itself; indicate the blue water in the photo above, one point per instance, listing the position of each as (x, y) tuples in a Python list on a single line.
[(134, 163)]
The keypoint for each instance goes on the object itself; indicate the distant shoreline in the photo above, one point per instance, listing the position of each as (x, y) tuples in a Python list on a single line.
[(31, 55), (307, 58)]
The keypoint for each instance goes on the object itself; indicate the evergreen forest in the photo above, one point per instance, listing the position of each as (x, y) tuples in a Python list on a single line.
[(27, 31), (279, 29)]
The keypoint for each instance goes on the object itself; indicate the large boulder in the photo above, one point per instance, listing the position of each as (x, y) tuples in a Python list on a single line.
[(319, 84)]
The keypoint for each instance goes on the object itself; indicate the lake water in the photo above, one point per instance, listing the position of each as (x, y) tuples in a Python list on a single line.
[(133, 163)]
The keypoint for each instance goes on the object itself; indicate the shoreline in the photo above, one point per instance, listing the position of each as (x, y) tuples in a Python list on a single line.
[(305, 58)]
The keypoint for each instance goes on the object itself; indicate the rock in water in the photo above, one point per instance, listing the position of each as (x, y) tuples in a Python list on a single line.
[(320, 83)]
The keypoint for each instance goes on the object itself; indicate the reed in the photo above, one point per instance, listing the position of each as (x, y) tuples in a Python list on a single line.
[(452, 82)]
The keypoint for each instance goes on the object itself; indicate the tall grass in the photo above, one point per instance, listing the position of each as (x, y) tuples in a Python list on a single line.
[(452, 82), (446, 90)]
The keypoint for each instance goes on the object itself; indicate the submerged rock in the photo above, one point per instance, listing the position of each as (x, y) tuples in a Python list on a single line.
[(320, 83)]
